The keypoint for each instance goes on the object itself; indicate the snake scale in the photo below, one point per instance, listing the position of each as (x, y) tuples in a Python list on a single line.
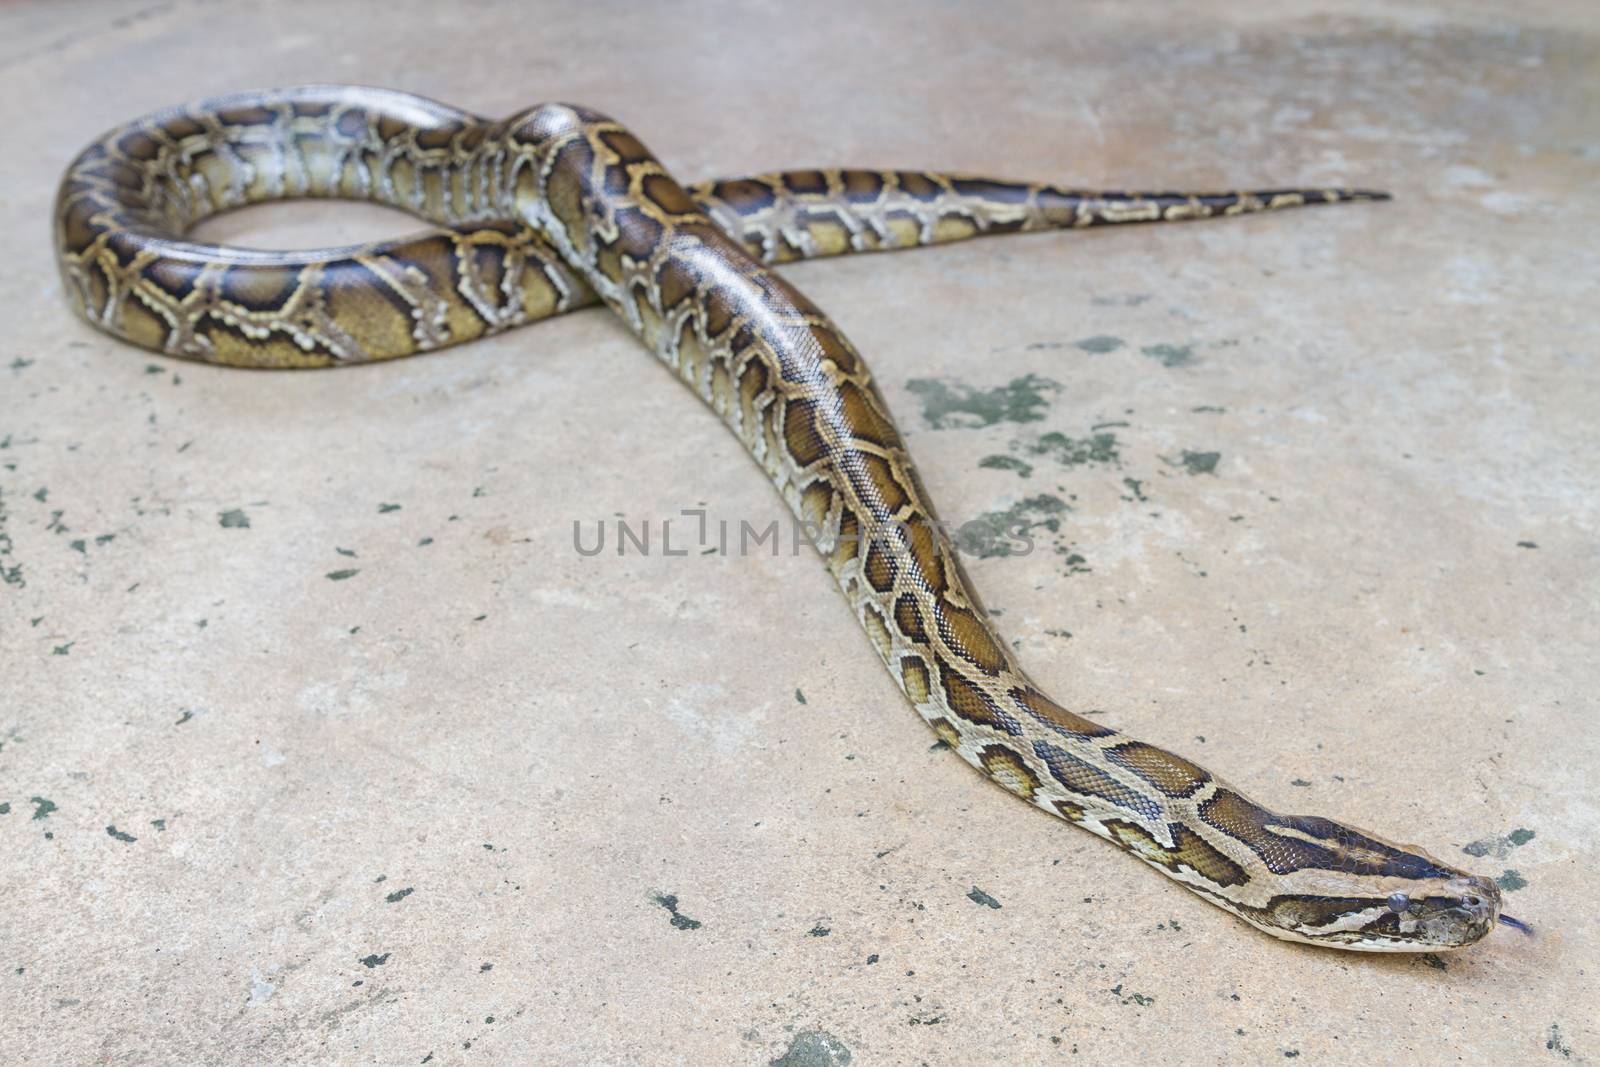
[(558, 207)]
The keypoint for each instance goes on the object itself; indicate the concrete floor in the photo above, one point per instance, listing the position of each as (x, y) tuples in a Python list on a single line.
[(482, 799)]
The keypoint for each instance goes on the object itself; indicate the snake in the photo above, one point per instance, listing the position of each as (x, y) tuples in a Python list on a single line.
[(558, 207)]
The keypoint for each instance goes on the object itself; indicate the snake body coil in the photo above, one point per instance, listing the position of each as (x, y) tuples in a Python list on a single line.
[(558, 206)]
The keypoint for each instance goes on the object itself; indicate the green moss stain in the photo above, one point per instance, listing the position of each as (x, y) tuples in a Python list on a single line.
[(814, 1048), (117, 835), (950, 405), (1499, 847), (669, 901), (978, 896), (374, 960), (1555, 1043), (1007, 463), (398, 895), (5, 807), (1076, 451), (1005, 533), (341, 575), (1170, 355), (1198, 462), (42, 807), (799, 697), (1099, 344), (1141, 999), (234, 519), (1511, 881), (384, 509)]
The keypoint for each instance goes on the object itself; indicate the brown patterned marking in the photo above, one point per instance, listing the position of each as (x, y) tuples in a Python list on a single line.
[(880, 567), (908, 616), (882, 488), (563, 190), (1293, 910), (1086, 778), (863, 414), (1169, 773), (745, 196), (806, 182), (231, 347), (917, 185), (719, 311), (876, 629), (427, 140), (972, 703), (924, 549), (947, 732), (829, 236), (968, 636), (996, 192), (861, 186), (1069, 810), (625, 145), (666, 194), (638, 233), (260, 288), (183, 126), (489, 268), (914, 677), (849, 538), (247, 115), (1057, 717), (148, 327), (1191, 850), (1009, 769), (1334, 848), (805, 444), (176, 277), (676, 282), (356, 296)]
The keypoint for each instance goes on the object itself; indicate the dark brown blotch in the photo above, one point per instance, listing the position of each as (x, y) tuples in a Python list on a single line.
[(972, 703), (969, 637), (1058, 718), (744, 195), (1008, 768), (1082, 777), (806, 182), (908, 616), (1168, 772), (667, 194)]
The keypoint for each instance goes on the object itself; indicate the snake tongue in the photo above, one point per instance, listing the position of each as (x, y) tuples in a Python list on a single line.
[(1516, 924)]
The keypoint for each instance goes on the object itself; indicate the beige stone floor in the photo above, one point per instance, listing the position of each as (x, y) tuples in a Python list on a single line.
[(1336, 539)]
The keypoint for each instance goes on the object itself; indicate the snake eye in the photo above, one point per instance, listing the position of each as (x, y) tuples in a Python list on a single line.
[(1399, 902)]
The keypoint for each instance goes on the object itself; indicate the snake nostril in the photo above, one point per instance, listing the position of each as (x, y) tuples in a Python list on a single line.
[(1472, 901)]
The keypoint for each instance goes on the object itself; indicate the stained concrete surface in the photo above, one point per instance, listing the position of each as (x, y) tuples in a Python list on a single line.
[(320, 743)]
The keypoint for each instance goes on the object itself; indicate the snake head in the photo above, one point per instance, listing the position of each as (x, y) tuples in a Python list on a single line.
[(1422, 915), (1334, 885)]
